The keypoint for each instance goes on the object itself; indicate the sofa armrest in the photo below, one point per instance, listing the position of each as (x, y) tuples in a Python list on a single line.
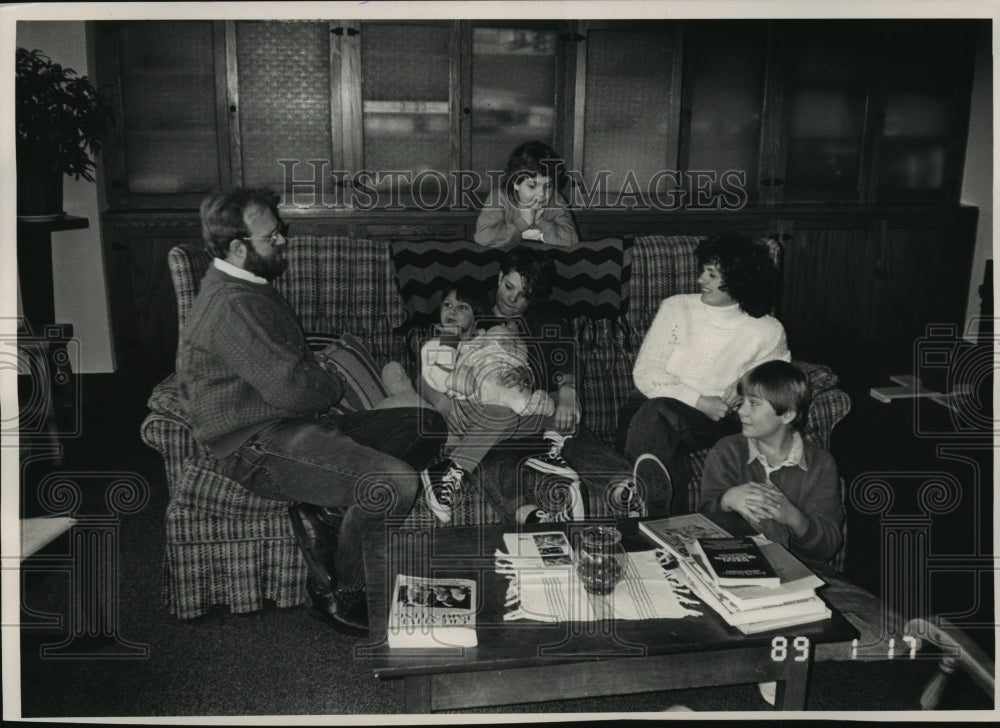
[(827, 409), (165, 399)]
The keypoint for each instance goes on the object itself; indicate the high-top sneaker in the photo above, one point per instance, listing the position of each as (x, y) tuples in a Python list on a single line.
[(553, 461), (442, 483)]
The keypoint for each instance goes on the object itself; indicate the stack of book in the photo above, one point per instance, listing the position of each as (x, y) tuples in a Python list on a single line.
[(754, 584)]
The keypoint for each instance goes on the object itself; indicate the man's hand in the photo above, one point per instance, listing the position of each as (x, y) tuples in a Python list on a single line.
[(715, 408)]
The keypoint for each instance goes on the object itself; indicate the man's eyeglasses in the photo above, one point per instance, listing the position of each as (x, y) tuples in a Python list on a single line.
[(280, 231)]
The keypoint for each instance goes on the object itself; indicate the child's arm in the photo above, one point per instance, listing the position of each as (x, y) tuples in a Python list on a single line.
[(555, 223), (815, 520), (726, 485)]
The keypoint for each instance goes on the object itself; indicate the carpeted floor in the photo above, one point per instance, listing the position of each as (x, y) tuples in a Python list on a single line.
[(281, 662)]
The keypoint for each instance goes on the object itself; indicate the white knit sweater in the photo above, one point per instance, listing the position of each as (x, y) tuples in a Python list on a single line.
[(693, 349)]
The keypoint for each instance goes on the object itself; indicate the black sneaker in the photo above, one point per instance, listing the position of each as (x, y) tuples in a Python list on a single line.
[(553, 462), (441, 485), (534, 514), (560, 499)]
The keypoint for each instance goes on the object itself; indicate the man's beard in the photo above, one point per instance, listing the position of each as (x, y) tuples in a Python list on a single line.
[(267, 268)]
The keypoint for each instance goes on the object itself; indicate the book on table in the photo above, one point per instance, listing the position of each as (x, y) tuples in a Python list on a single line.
[(673, 532), (748, 608), (530, 555), (736, 561), (804, 606), (432, 612)]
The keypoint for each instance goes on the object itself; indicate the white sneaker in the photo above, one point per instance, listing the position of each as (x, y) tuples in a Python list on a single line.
[(661, 471)]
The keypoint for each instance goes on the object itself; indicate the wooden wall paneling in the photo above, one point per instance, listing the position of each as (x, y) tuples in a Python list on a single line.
[(828, 280), (351, 133), (143, 304), (233, 106), (223, 131), (108, 72), (460, 106), (924, 270), (772, 132)]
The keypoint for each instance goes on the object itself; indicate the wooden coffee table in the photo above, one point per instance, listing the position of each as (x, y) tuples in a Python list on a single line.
[(523, 661)]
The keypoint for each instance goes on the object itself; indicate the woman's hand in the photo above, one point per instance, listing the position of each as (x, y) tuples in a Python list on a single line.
[(567, 414), (715, 408), (754, 501)]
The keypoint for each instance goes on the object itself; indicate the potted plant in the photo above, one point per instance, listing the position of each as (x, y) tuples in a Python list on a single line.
[(61, 121)]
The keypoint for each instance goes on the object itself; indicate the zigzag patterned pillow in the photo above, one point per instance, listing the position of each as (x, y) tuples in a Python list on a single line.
[(592, 277)]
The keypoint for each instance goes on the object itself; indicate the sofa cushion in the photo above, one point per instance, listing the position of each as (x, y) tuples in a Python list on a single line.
[(347, 356), (592, 277)]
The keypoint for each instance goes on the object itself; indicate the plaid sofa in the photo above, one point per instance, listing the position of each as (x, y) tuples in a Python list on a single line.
[(225, 545)]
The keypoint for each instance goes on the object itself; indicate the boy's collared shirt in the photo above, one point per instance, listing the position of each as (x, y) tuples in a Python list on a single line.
[(796, 456)]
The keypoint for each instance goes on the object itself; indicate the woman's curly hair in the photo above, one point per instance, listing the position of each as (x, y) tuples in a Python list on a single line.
[(748, 273)]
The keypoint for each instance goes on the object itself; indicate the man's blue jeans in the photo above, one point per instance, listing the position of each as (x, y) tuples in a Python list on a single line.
[(366, 462)]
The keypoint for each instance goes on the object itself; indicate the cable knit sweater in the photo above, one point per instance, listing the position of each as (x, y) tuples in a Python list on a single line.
[(693, 349), (243, 363)]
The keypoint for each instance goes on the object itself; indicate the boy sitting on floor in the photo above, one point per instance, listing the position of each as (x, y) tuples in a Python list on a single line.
[(788, 489)]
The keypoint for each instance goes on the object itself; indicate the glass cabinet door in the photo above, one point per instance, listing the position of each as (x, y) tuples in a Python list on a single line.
[(406, 108), (723, 103), (514, 93), (925, 110), (164, 77), (826, 93), (630, 100), (283, 101)]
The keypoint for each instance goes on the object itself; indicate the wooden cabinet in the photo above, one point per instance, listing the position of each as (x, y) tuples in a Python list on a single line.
[(803, 111), (873, 277), (143, 304), (847, 138)]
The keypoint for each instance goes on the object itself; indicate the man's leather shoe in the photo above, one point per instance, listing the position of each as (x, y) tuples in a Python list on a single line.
[(316, 529), (345, 611)]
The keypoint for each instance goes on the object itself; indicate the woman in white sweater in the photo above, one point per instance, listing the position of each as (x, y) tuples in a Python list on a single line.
[(696, 350)]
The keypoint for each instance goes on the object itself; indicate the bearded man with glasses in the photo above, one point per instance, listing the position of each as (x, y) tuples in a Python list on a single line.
[(260, 402)]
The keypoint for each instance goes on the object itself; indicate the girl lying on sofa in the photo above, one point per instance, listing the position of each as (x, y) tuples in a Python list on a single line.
[(478, 379)]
